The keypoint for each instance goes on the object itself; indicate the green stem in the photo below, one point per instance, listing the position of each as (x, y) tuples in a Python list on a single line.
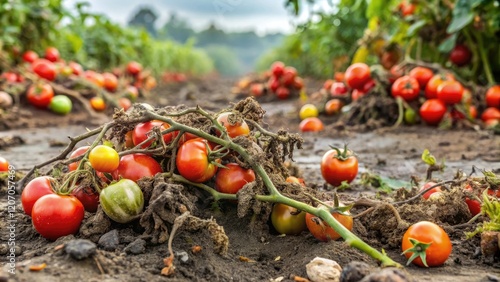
[(484, 58)]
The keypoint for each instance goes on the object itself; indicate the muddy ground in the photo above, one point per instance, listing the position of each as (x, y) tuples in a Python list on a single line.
[(393, 153)]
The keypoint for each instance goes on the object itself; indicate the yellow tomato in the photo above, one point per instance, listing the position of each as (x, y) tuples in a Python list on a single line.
[(308, 110)]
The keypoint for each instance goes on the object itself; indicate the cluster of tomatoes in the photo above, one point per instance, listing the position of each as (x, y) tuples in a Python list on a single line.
[(51, 68)]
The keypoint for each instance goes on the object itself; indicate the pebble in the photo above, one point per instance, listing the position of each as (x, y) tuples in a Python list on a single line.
[(109, 241), (354, 271), (80, 248), (5, 249), (137, 247), (183, 256), (323, 270)]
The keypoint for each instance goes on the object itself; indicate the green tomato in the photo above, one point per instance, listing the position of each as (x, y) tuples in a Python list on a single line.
[(410, 116), (122, 201), (60, 104), (288, 220)]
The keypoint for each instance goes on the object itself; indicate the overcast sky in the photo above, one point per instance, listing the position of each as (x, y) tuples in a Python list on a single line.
[(261, 15)]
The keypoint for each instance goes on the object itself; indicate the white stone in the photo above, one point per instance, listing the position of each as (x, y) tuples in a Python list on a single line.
[(323, 270)]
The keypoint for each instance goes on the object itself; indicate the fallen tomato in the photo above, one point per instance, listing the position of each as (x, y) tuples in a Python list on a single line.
[(426, 244), (238, 128), (104, 159), (322, 231), (288, 220), (122, 201), (338, 166), (232, 178)]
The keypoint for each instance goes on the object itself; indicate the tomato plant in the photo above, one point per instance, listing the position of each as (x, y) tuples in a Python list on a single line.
[(493, 96), (338, 166), (491, 114), (40, 95), (55, 216), (235, 129), (232, 178), (426, 244), (357, 75), (98, 104), (44, 69), (422, 75), (322, 231), (311, 124), (406, 87), (450, 92), (104, 159), (88, 197), (288, 220), (428, 185), (194, 161), (61, 104), (137, 166), (4, 164), (432, 111), (308, 110), (122, 201), (142, 130)]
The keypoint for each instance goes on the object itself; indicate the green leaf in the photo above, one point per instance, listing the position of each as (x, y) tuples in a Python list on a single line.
[(383, 183), (463, 14), (447, 45), (428, 158), (415, 27)]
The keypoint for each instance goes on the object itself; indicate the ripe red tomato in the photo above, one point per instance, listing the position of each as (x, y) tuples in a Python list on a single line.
[(137, 166), (30, 56), (450, 92), (4, 164), (76, 68), (434, 82), (257, 89), (357, 75), (369, 85), (338, 89), (193, 161), (422, 75), (427, 232), (311, 124), (40, 95), (460, 55), (278, 68), (52, 54), (134, 68), (406, 87), (141, 131), (322, 231), (104, 159), (337, 168), (473, 204), (289, 75), (76, 153), (493, 96), (356, 94), (432, 111), (232, 178), (110, 81), (288, 220), (55, 216), (88, 197), (44, 69), (273, 84), (10, 77), (98, 104), (233, 130), (34, 190), (491, 114), (333, 106), (282, 93), (428, 185)]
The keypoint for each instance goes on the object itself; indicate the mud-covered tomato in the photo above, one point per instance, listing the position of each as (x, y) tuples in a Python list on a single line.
[(122, 201), (450, 92), (312, 124), (40, 95), (34, 190), (194, 161), (322, 231), (422, 75), (142, 130), (55, 216), (137, 166), (288, 220), (236, 128), (338, 166), (428, 185), (104, 159), (426, 244), (493, 96), (406, 87), (357, 75), (432, 111), (232, 178), (88, 197)]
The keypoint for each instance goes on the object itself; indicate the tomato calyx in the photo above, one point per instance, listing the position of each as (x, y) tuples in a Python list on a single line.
[(215, 155), (344, 154), (418, 251)]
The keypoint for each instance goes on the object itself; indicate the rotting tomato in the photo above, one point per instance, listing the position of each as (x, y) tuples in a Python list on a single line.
[(322, 231), (98, 104), (288, 220), (194, 162), (493, 96), (88, 197), (460, 55), (76, 153), (333, 106), (338, 89), (491, 113), (142, 130), (338, 166), (405, 87), (44, 69), (4, 164), (434, 82), (426, 244), (311, 124), (122, 201), (104, 159), (428, 185), (432, 111), (232, 178), (238, 128), (422, 75), (357, 75), (55, 216), (137, 166), (450, 92), (40, 95), (52, 54), (34, 190)]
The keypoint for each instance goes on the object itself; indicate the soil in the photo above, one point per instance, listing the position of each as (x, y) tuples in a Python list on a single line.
[(258, 253)]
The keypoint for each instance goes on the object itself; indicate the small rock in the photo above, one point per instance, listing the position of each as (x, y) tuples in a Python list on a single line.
[(387, 275), (355, 271), (183, 256), (80, 248), (323, 270), (136, 247), (109, 241)]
